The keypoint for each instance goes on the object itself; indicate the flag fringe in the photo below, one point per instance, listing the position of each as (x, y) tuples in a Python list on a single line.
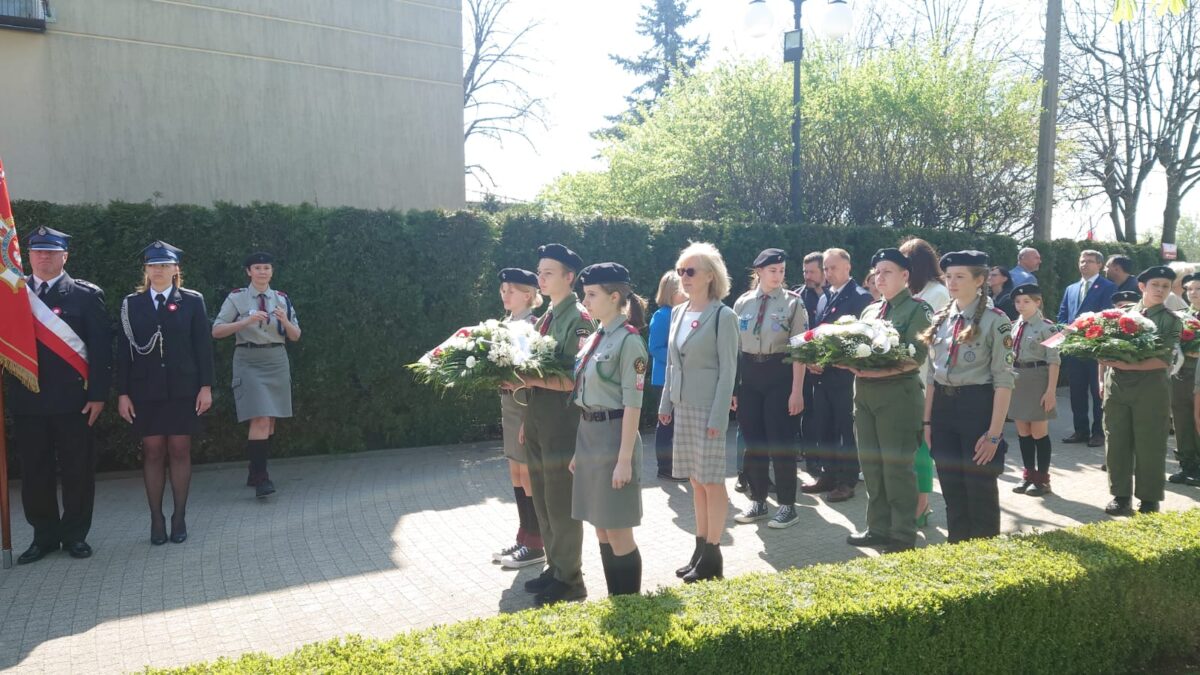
[(22, 374)]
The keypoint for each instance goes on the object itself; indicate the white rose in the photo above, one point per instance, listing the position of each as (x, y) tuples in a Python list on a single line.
[(470, 362), (862, 351)]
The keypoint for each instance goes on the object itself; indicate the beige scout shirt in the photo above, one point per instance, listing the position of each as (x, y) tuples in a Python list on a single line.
[(241, 301), (1028, 338), (783, 317), (611, 372), (985, 360)]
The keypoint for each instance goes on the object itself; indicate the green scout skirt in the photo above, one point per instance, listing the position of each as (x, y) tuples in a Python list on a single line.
[(512, 416), (593, 499), (262, 382)]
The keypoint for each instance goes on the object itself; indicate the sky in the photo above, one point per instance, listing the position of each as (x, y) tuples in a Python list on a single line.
[(581, 84)]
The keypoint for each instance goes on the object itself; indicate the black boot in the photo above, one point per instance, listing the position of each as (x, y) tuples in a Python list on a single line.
[(710, 566), (610, 570), (682, 571), (628, 569)]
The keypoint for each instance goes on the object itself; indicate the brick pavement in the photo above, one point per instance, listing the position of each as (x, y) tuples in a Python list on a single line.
[(381, 542)]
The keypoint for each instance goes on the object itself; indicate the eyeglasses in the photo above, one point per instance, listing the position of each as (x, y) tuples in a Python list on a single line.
[(686, 271)]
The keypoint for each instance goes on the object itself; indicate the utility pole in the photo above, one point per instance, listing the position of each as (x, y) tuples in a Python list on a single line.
[(1043, 201)]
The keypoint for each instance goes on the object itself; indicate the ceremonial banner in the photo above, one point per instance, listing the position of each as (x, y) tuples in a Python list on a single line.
[(18, 343)]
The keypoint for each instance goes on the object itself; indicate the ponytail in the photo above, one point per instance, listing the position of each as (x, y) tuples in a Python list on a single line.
[(972, 331), (632, 304)]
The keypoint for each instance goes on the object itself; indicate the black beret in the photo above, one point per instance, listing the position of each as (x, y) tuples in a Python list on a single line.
[(892, 255), (46, 239), (770, 256), (1126, 296), (1026, 289), (516, 275), (1157, 272), (1195, 276), (259, 258), (562, 254), (965, 259), (604, 273), (161, 253)]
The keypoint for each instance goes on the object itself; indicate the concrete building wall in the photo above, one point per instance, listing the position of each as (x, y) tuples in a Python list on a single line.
[(338, 102)]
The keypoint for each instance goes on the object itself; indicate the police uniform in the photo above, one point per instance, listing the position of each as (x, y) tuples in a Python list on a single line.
[(1137, 415), (50, 433), (964, 377), (1187, 441), (887, 422), (164, 354), (550, 430), (766, 322)]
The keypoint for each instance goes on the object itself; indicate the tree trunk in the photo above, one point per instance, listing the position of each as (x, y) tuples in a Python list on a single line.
[(1171, 211), (1129, 211)]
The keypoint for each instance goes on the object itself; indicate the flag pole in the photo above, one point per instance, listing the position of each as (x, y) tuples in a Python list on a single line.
[(5, 515)]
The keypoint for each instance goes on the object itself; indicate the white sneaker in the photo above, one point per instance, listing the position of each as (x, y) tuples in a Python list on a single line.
[(523, 557), (499, 556)]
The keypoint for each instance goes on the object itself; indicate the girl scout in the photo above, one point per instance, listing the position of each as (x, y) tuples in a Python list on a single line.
[(519, 293), (887, 404), (967, 396), (1034, 396), (164, 380), (1187, 442), (610, 376), (263, 319), (771, 391)]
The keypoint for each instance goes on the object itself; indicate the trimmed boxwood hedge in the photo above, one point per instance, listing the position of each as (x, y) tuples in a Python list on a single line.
[(374, 289), (1102, 598)]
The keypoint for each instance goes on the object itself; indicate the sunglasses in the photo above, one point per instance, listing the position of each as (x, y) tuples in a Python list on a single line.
[(686, 271)]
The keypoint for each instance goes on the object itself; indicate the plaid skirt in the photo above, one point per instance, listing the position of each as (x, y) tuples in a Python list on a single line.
[(694, 455)]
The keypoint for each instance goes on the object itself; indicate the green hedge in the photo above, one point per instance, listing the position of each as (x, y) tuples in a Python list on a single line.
[(1102, 598), (374, 289)]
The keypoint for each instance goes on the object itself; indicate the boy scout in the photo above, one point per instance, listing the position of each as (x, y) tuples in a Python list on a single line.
[(550, 430), (887, 412), (1137, 399), (770, 391), (1187, 438)]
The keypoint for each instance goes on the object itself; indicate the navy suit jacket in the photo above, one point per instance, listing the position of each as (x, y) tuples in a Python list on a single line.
[(1099, 297), (850, 302)]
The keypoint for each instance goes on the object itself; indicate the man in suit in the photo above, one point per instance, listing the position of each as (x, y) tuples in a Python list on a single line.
[(52, 429), (833, 389), (1092, 293), (811, 293), (1119, 270)]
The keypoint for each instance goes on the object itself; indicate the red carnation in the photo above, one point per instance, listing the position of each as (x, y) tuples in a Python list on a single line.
[(809, 335), (437, 352), (1093, 332), (1111, 313), (463, 332), (1128, 325), (1187, 335)]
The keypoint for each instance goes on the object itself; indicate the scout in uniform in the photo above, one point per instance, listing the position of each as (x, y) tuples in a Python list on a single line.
[(164, 380), (264, 320), (550, 430), (610, 376), (1187, 440), (1035, 395), (1137, 398), (519, 293), (1126, 299), (52, 429), (887, 409), (770, 392), (967, 396)]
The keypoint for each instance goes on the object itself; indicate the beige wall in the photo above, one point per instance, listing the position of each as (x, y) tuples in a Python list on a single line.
[(338, 102)]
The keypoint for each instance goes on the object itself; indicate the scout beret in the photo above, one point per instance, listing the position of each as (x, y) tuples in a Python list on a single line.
[(516, 275), (770, 256), (604, 273), (258, 258), (1157, 272), (965, 259), (46, 239), (892, 255), (1026, 289), (1195, 276), (161, 253), (1126, 296), (562, 254)]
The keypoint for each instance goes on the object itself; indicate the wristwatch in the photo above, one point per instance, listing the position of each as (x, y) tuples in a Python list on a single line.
[(995, 439)]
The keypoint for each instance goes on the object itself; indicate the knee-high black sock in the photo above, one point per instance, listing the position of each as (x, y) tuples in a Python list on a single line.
[(257, 450), (628, 570), (1027, 452), (522, 517), (1043, 456), (610, 568), (531, 521)]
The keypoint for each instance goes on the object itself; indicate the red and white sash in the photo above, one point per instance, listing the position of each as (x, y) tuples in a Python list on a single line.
[(57, 336)]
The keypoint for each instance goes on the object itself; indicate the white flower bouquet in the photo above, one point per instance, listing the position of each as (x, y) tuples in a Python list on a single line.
[(485, 356), (866, 344)]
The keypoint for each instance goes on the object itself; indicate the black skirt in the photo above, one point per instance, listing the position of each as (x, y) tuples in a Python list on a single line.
[(173, 417)]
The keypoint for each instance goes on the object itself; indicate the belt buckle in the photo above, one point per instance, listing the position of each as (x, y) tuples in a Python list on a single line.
[(950, 389)]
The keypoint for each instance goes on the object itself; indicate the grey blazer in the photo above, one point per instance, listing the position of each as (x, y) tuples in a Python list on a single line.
[(702, 373)]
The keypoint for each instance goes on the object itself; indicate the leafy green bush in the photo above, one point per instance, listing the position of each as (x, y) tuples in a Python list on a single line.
[(1107, 597), (374, 289)]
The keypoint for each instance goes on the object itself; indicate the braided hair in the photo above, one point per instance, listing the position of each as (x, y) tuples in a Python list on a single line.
[(972, 331)]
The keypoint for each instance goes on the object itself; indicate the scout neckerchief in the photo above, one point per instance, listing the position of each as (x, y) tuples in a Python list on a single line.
[(597, 338), (1020, 333), (545, 327), (952, 356), (762, 311), (883, 310)]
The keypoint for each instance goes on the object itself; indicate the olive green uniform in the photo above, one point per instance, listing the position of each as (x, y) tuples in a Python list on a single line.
[(1187, 441), (550, 428), (610, 376), (887, 423), (1136, 422)]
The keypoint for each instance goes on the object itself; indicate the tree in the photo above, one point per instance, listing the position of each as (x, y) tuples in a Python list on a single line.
[(1127, 10), (495, 104), (1179, 147), (670, 56)]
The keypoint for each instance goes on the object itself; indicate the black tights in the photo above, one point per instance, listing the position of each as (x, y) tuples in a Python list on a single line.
[(155, 451)]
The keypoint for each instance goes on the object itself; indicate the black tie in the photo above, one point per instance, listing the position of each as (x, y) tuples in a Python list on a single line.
[(45, 290), (159, 301)]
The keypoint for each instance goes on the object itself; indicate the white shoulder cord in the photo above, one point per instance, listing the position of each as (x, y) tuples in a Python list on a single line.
[(134, 346)]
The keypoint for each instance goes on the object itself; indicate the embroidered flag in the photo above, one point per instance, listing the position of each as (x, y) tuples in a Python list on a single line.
[(18, 344)]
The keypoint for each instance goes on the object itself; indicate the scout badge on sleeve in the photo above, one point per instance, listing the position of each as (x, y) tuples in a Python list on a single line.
[(639, 367)]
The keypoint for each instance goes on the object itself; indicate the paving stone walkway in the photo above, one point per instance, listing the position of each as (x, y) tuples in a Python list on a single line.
[(382, 542)]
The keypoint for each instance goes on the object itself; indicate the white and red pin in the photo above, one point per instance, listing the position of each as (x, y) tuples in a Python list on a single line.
[(57, 310), (172, 307), (695, 324)]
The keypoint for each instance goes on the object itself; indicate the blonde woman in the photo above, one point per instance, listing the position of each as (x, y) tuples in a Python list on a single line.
[(697, 396), (669, 295), (519, 294)]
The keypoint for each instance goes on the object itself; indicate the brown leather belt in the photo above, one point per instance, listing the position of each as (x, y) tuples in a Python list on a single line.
[(602, 415), (1030, 364), (252, 345), (955, 390), (763, 358)]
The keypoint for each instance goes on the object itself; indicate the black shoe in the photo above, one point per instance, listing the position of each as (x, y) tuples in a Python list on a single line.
[(1096, 441), (1076, 438), (741, 485), (899, 547), (1025, 485), (540, 583), (558, 592), (682, 571), (158, 531), (666, 475), (868, 538), (1119, 506), (822, 484), (78, 549), (178, 532), (1104, 467), (1147, 507), (1178, 478), (1039, 490), (1193, 480), (264, 488), (35, 552), (710, 566)]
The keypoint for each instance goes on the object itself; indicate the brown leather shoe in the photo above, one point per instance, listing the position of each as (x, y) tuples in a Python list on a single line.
[(1096, 441), (840, 493), (822, 484)]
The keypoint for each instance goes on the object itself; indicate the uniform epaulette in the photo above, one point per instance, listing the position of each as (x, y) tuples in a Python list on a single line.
[(236, 290), (281, 293), (134, 295), (632, 329), (1046, 321), (863, 291), (794, 294), (584, 314), (188, 291), (87, 284), (997, 311)]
